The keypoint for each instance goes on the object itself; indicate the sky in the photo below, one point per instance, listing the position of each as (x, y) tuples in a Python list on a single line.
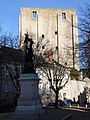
[(10, 9)]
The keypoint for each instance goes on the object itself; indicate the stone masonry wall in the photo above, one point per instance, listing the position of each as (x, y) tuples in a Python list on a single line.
[(47, 21)]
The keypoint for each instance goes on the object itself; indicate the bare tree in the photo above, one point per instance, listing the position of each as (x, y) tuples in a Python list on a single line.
[(10, 62), (58, 76), (7, 39), (84, 28)]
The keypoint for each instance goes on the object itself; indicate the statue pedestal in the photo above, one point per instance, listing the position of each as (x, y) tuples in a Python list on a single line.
[(29, 103)]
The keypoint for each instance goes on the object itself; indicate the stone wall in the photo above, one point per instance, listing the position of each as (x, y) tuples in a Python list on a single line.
[(75, 89), (45, 21)]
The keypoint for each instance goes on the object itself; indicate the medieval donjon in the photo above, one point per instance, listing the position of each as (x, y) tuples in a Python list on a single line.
[(59, 26)]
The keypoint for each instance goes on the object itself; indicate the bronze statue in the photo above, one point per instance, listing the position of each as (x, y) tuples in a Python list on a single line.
[(29, 56)]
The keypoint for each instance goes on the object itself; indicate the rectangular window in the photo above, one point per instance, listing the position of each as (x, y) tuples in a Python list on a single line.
[(63, 15), (34, 14), (64, 96)]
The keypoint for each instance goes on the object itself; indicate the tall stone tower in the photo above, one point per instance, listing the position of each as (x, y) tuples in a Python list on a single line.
[(59, 26)]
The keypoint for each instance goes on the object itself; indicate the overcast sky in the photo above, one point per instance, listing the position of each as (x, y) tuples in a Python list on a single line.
[(10, 9)]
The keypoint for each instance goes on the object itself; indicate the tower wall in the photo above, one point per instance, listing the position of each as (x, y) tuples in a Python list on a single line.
[(45, 21)]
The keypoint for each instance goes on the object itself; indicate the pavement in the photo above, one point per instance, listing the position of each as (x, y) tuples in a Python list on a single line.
[(22, 114), (19, 115), (64, 113), (47, 114)]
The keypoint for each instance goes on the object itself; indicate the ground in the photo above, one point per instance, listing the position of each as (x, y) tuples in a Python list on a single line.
[(54, 114)]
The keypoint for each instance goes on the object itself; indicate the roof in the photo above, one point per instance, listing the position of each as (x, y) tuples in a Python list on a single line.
[(8, 54)]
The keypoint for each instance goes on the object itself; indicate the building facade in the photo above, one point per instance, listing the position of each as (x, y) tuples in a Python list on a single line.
[(10, 69), (58, 26), (75, 90)]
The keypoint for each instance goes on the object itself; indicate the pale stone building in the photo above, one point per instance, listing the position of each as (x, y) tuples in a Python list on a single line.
[(58, 26), (74, 90), (87, 80)]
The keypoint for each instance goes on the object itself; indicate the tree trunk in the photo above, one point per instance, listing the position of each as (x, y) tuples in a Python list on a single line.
[(56, 99)]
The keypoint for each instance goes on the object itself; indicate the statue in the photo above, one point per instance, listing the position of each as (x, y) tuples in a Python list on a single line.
[(29, 56)]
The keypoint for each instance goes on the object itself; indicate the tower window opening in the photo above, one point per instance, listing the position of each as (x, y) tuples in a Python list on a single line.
[(42, 36), (34, 14), (63, 15)]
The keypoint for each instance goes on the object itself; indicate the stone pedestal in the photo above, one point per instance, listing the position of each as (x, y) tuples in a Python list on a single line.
[(29, 96), (29, 103)]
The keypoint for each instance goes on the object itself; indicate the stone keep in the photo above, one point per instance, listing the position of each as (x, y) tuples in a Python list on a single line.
[(47, 22)]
